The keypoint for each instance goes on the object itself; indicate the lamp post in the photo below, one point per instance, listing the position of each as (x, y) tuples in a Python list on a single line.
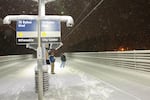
[(41, 13), (41, 16)]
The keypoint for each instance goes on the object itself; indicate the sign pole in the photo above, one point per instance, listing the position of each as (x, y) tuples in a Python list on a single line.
[(24, 36), (41, 12)]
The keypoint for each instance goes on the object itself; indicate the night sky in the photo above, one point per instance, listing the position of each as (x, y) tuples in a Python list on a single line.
[(108, 26)]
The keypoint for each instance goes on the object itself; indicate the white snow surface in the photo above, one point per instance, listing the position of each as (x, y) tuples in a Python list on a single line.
[(17, 83)]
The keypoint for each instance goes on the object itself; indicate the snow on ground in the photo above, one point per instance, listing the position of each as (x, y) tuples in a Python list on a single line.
[(66, 84), (18, 82), (71, 84)]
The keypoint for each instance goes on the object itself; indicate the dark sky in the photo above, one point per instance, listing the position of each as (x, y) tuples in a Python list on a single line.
[(111, 25)]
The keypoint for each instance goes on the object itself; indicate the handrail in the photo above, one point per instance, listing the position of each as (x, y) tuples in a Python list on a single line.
[(14, 57), (136, 60)]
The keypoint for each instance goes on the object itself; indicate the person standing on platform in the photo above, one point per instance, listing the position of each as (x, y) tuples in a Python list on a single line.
[(47, 57), (63, 60), (52, 62)]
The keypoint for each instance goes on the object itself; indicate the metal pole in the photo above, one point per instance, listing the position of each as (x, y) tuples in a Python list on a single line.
[(41, 12), (44, 53)]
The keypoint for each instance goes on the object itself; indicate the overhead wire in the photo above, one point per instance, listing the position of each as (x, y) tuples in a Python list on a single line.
[(98, 4), (12, 27), (81, 14)]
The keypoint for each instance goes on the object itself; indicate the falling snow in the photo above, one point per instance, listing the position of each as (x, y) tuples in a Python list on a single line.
[(112, 24)]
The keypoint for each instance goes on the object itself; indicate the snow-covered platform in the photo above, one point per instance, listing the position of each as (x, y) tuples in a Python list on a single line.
[(69, 83)]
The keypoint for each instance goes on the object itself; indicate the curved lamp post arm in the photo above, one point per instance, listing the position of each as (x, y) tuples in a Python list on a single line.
[(68, 19)]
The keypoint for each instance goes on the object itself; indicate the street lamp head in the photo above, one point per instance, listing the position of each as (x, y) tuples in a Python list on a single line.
[(69, 23), (6, 21), (68, 19)]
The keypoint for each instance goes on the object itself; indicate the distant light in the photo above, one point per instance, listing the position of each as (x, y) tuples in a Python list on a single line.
[(62, 12), (121, 49), (23, 12)]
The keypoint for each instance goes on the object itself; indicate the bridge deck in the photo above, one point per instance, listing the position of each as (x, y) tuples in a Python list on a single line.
[(77, 81)]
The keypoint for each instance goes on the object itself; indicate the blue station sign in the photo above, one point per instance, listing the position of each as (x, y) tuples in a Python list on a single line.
[(27, 31), (26, 25)]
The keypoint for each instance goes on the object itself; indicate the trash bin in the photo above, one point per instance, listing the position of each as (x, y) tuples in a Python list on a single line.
[(45, 79)]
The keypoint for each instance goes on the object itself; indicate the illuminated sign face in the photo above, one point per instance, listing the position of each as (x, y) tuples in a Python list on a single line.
[(27, 31), (50, 28)]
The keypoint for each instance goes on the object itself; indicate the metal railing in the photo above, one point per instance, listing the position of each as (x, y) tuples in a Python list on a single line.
[(14, 57), (137, 59)]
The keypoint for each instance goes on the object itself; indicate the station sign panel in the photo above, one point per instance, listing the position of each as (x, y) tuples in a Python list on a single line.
[(50, 31), (27, 31)]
